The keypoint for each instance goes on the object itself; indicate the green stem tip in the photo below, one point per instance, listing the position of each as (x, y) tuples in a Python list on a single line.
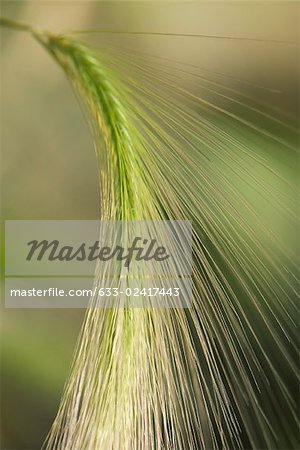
[(16, 25)]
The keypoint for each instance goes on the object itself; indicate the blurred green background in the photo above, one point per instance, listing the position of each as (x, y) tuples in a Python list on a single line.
[(48, 163)]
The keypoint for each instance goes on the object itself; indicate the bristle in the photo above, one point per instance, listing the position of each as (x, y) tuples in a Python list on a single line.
[(223, 372), (203, 377)]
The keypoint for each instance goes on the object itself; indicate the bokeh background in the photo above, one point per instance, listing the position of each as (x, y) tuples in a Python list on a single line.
[(48, 163)]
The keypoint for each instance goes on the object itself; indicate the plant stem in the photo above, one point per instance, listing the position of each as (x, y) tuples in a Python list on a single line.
[(13, 24)]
